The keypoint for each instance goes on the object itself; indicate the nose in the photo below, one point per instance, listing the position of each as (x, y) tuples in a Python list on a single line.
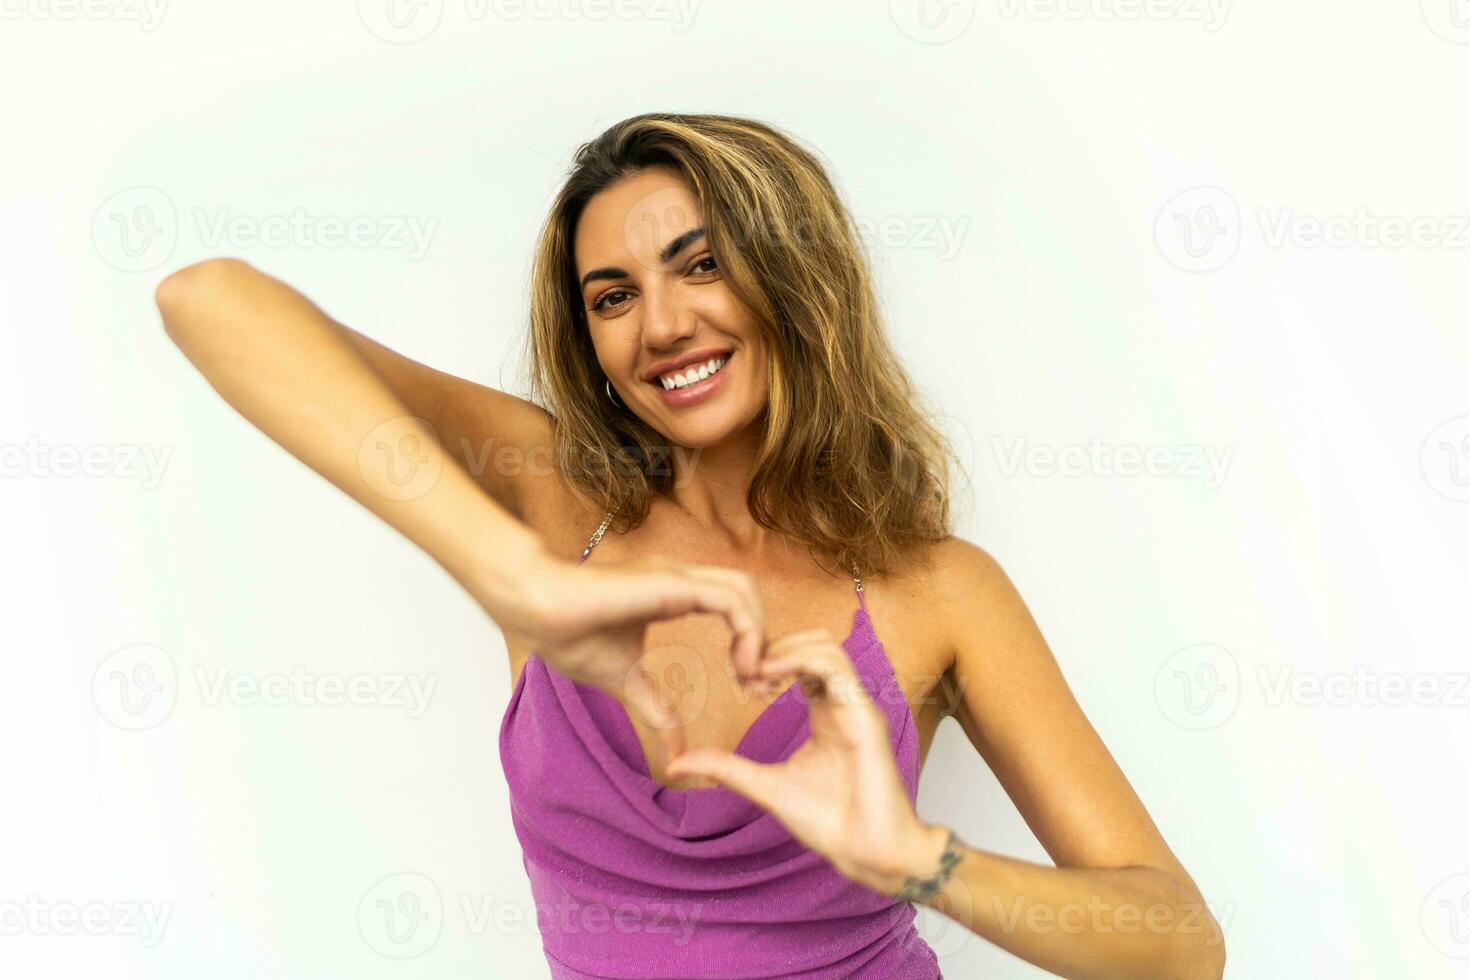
[(666, 319)]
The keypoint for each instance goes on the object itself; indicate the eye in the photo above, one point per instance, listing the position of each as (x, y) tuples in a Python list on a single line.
[(702, 260), (601, 301)]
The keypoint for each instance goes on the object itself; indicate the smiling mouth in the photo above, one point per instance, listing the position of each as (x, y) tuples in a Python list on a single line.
[(693, 375)]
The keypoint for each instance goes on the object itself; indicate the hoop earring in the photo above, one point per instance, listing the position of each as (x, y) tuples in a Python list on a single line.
[(606, 386)]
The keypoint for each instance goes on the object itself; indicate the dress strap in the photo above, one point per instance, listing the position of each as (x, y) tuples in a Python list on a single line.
[(858, 582), (596, 536)]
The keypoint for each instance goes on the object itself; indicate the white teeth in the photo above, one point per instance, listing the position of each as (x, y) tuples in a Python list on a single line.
[(682, 379)]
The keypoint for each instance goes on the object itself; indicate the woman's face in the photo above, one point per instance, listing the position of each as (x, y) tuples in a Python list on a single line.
[(655, 298)]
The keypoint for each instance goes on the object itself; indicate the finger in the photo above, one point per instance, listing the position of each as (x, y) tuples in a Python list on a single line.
[(703, 588), (815, 635), (755, 781), (828, 680), (670, 743), (762, 681), (816, 654), (747, 645)]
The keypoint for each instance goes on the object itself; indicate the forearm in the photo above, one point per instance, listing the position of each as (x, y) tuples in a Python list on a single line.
[(295, 375), (1136, 922)]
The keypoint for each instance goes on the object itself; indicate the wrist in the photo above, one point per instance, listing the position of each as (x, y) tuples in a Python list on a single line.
[(507, 582), (915, 866), (922, 863)]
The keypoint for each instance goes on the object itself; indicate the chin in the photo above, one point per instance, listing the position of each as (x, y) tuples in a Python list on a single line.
[(702, 433)]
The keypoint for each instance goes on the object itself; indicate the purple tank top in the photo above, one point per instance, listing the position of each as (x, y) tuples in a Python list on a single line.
[(632, 879)]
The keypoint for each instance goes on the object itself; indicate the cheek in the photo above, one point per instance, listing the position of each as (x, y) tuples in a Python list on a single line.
[(617, 351)]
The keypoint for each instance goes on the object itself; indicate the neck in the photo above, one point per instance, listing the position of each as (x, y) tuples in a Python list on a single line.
[(710, 486)]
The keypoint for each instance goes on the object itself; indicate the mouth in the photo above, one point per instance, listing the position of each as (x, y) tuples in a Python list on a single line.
[(677, 397)]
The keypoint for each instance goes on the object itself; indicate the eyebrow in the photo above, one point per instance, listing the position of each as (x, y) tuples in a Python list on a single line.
[(670, 250)]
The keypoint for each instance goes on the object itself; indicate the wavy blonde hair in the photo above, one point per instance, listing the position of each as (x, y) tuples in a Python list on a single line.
[(847, 465)]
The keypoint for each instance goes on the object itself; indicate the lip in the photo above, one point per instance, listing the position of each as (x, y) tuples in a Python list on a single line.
[(700, 390), (680, 363)]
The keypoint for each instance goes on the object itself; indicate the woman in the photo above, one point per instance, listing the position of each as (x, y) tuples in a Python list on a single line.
[(729, 793)]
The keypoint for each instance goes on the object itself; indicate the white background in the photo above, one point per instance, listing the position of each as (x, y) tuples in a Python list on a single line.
[(1131, 194)]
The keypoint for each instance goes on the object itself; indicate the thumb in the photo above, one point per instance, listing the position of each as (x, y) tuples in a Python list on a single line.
[(752, 780)]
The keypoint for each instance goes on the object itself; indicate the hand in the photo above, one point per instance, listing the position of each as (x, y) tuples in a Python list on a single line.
[(840, 793), (588, 622)]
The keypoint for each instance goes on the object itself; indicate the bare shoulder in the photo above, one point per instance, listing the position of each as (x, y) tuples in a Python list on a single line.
[(963, 562), (969, 596), (948, 575), (916, 605)]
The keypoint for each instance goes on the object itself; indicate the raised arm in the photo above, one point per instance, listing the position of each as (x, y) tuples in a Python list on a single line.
[(475, 424), (303, 380), (355, 412)]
